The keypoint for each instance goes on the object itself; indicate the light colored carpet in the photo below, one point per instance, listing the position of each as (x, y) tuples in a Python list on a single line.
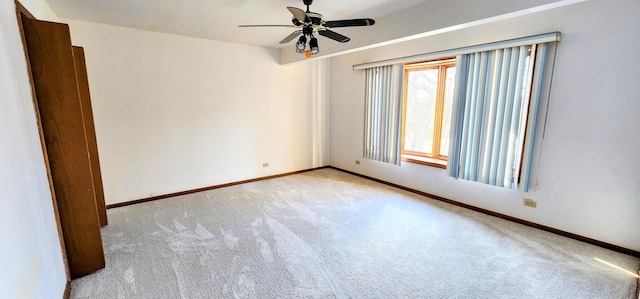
[(328, 234)]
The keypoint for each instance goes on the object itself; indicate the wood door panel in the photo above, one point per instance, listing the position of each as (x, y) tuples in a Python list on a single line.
[(53, 70), (90, 131)]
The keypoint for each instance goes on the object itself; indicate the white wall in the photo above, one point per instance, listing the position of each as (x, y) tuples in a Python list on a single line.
[(30, 253), (175, 113), (589, 174)]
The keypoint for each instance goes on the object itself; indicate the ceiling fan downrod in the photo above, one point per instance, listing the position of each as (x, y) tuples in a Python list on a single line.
[(307, 3)]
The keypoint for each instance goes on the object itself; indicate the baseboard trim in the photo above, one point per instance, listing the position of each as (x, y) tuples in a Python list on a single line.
[(638, 285), (137, 201), (67, 291), (503, 216)]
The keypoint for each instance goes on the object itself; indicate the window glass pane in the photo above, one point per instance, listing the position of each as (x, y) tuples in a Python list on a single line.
[(446, 115), (421, 106)]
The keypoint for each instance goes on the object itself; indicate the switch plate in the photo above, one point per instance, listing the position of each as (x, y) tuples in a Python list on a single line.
[(528, 202)]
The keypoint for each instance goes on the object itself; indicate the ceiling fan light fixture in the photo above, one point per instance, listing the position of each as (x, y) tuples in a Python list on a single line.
[(313, 44), (301, 44)]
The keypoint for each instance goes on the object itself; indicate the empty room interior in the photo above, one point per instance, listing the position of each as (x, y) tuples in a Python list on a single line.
[(320, 149)]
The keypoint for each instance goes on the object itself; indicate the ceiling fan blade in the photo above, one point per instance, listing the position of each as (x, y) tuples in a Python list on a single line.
[(334, 35), (349, 23), (289, 26), (299, 14), (291, 36)]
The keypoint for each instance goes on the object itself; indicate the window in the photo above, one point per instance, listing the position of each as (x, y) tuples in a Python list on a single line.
[(428, 97), (475, 115)]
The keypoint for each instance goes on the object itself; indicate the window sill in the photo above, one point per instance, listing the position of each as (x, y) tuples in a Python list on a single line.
[(425, 161)]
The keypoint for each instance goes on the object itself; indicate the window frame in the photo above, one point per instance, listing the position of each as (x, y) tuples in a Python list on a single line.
[(436, 159)]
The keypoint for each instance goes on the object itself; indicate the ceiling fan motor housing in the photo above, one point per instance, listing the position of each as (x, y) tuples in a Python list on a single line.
[(312, 17), (307, 30), (316, 18)]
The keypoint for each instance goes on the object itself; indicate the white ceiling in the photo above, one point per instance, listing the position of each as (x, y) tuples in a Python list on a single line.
[(219, 19)]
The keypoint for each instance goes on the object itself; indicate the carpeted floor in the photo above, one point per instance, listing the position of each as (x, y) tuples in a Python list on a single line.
[(327, 234)]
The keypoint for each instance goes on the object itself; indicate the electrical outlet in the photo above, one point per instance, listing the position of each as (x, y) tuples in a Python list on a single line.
[(528, 202), (265, 164), (358, 162)]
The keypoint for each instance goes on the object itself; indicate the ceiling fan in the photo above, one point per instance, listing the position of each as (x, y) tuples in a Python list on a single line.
[(309, 23)]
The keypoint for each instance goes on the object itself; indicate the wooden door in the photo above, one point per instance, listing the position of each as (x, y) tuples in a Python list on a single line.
[(90, 131), (54, 78)]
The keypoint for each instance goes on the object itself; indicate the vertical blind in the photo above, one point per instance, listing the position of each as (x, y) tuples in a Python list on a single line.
[(493, 100), (383, 113)]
